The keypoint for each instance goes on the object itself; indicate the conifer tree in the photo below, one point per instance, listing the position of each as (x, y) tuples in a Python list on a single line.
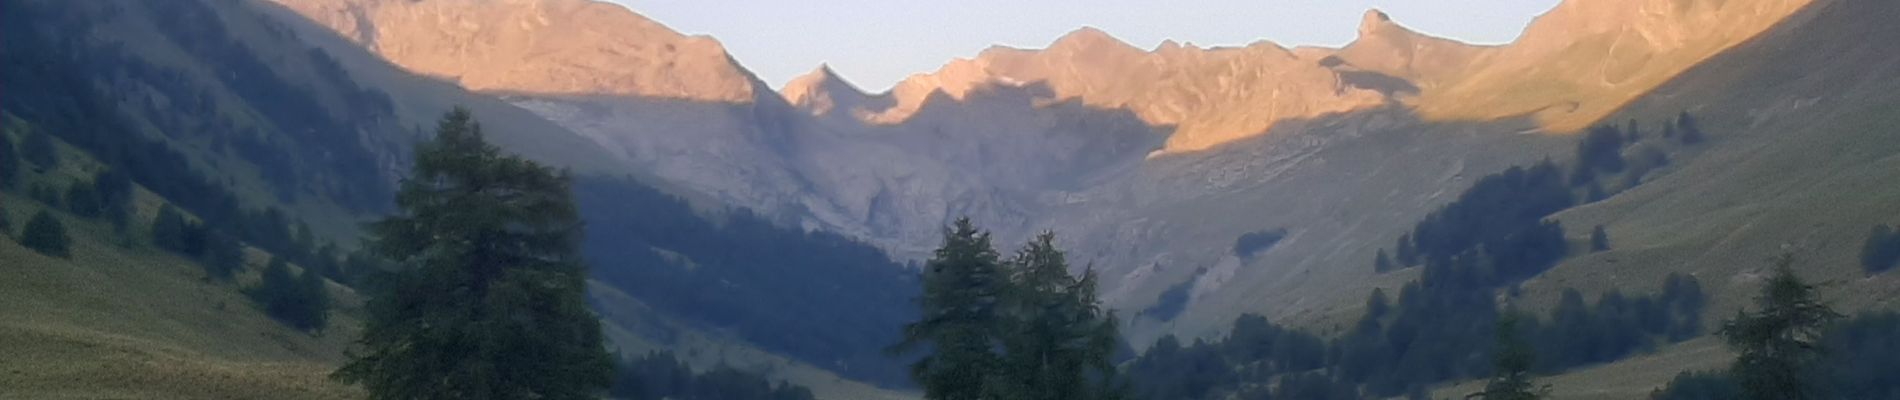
[(1780, 339), (1382, 262), (960, 321), (1511, 368), (1881, 250), (489, 302), (1060, 340), (9, 162), (1599, 239), (46, 235), (168, 229)]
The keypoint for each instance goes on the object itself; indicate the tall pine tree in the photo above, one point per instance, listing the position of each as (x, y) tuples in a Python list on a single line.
[(1060, 341), (1511, 368), (1780, 339), (960, 322), (490, 300)]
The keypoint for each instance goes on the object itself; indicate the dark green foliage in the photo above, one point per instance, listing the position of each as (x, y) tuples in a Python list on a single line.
[(1382, 262), (961, 319), (1314, 386), (1683, 299), (1778, 342), (1252, 243), (498, 313), (169, 230), (9, 162), (1502, 214), (46, 235), (1646, 159), (221, 255), (45, 194), (1861, 355), (1599, 240), (1058, 340), (300, 301), (1511, 366), (1170, 371), (1881, 250), (58, 91), (1617, 326), (660, 375), (1690, 131), (1171, 302), (1699, 386), (1253, 351), (1601, 150), (1021, 328), (38, 149), (1377, 305), (736, 275), (83, 201)]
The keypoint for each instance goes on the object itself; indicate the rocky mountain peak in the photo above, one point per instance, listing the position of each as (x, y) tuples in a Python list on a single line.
[(822, 91), (1373, 21), (549, 47)]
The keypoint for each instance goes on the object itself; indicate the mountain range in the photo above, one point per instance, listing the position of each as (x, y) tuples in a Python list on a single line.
[(1150, 162), (1160, 169)]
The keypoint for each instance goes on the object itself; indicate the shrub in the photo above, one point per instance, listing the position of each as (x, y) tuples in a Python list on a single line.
[(46, 235)]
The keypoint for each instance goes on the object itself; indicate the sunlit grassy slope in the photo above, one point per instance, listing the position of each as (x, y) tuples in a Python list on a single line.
[(1804, 158)]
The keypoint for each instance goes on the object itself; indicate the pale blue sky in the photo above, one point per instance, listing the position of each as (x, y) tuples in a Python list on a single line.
[(875, 43)]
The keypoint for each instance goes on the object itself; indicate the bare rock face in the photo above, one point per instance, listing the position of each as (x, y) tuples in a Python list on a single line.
[(1210, 96), (565, 47)]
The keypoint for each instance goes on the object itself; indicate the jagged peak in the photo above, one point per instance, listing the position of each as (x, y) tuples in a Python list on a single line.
[(1373, 22)]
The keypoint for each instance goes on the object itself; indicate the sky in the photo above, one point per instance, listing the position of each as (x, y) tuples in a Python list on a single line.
[(875, 43)]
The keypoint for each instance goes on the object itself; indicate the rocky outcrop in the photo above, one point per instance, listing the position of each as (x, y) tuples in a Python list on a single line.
[(548, 47)]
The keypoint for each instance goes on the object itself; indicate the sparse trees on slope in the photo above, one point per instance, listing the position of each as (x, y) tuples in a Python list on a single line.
[(299, 301), (960, 318), (1780, 339), (46, 235), (490, 300)]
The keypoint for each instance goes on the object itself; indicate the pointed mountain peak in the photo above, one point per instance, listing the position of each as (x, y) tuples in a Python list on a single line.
[(1373, 21), (821, 90)]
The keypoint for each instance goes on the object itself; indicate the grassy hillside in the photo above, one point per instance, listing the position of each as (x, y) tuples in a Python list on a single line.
[(1802, 160), (120, 319)]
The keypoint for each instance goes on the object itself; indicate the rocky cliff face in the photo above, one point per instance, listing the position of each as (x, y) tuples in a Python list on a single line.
[(1149, 162), (568, 47)]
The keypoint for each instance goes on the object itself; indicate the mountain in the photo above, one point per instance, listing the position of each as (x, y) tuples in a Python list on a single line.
[(1160, 168), (1150, 162), (542, 47), (275, 138)]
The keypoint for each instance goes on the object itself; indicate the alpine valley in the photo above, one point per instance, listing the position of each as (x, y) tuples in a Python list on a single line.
[(779, 232)]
